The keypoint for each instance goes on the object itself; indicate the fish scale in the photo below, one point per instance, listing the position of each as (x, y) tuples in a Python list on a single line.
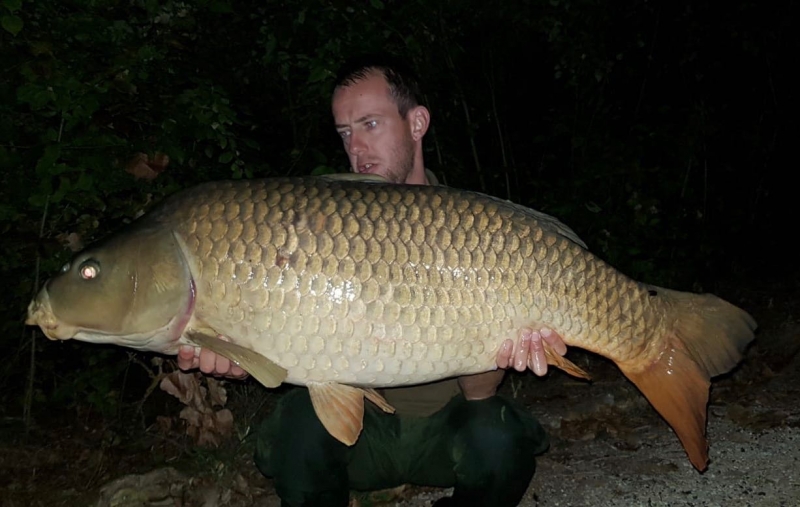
[(375, 248), (344, 284)]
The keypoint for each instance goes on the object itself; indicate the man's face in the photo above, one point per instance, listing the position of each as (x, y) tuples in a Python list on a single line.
[(376, 138)]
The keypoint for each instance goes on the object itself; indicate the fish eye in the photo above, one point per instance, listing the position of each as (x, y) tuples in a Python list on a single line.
[(89, 269)]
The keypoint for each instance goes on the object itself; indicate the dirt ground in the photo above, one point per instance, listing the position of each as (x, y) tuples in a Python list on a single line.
[(609, 447)]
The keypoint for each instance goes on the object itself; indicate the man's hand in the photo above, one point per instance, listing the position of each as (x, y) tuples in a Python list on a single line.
[(190, 357), (527, 353), (529, 350)]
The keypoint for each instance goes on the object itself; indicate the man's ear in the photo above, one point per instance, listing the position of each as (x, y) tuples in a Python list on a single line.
[(420, 121)]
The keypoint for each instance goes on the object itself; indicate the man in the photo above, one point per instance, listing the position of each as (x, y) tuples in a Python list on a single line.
[(449, 433)]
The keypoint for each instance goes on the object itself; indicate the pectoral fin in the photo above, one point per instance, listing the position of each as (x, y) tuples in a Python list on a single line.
[(264, 370), (340, 408)]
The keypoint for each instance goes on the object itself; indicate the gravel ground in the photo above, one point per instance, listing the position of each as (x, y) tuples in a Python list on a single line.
[(749, 469), (614, 451)]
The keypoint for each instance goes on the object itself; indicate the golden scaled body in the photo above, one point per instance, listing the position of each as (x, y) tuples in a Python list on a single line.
[(383, 285)]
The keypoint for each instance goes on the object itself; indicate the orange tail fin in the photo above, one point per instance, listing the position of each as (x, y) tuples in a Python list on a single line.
[(706, 338)]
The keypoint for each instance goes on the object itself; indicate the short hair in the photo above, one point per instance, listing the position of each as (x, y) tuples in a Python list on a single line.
[(403, 84)]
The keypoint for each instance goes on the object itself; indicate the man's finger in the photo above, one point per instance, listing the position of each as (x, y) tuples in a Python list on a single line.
[(505, 353), (237, 371), (223, 365), (208, 361), (554, 340), (186, 357), (537, 358), (521, 352)]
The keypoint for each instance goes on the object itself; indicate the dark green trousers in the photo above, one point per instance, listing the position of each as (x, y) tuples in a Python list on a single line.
[(483, 449)]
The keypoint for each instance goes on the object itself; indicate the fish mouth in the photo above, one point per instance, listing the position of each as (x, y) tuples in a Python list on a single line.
[(40, 313)]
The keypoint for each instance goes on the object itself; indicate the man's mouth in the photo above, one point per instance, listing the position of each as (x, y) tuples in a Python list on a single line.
[(366, 168)]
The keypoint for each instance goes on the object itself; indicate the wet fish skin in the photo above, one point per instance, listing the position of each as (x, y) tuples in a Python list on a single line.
[(340, 281)]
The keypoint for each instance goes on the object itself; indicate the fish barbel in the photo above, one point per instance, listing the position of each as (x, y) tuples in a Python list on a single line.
[(345, 284)]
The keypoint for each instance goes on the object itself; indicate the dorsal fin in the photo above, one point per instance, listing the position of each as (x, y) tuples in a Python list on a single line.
[(362, 178)]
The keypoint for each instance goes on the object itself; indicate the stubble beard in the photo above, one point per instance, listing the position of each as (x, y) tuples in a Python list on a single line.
[(404, 157)]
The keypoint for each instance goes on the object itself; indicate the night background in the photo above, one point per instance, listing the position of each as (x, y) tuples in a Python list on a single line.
[(663, 133)]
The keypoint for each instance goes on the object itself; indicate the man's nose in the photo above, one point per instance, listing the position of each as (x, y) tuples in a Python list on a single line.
[(357, 145)]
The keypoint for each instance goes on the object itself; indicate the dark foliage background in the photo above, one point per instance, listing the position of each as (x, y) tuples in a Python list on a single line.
[(662, 132)]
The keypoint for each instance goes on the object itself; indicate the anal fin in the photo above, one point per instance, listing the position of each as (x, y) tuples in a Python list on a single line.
[(340, 408)]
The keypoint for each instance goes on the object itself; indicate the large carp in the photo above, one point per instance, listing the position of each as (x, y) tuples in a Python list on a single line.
[(344, 284)]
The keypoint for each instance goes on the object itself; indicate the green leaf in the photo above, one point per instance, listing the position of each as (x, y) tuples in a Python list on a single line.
[(63, 188), (12, 5), (152, 6), (85, 182), (12, 24), (226, 157), (272, 43), (37, 200), (220, 7), (6, 212), (377, 4), (34, 95), (317, 74), (46, 163), (323, 169), (176, 153), (593, 207)]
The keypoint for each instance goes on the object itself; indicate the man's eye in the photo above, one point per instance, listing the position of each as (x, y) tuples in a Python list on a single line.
[(372, 124), (344, 134)]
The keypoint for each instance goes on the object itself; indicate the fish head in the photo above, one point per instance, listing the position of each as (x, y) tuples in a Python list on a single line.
[(134, 289)]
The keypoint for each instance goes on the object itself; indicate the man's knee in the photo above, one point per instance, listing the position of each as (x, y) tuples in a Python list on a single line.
[(294, 448), (501, 422), (291, 423), (495, 444)]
